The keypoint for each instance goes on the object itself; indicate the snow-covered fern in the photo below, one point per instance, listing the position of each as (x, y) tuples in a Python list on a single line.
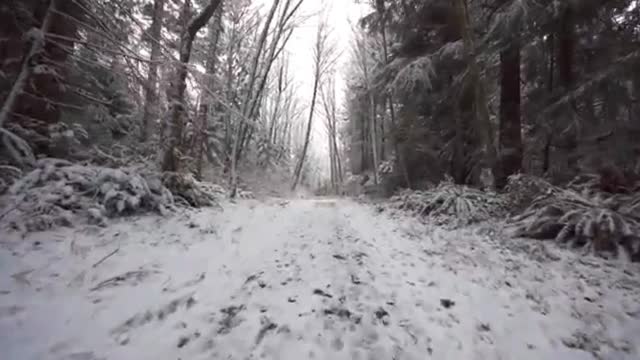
[(8, 175), (386, 167), (451, 204), (597, 223), (522, 189), (187, 189), (413, 75), (58, 192)]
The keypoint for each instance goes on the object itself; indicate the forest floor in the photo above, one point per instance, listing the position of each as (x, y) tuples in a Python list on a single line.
[(308, 279)]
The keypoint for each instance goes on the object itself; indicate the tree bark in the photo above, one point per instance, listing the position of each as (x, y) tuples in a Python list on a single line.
[(28, 65), (151, 96), (371, 109), (481, 110), (510, 130), (37, 95), (307, 136), (171, 161), (215, 30), (458, 166), (566, 47)]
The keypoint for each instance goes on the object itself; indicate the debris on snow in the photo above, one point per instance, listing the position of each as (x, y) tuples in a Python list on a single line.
[(447, 303)]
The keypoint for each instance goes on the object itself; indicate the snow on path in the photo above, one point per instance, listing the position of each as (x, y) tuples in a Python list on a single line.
[(307, 279)]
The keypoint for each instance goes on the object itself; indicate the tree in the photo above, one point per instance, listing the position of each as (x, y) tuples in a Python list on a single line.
[(171, 154), (510, 130), (324, 56), (35, 94), (207, 100), (361, 52), (328, 97), (259, 74), (150, 105)]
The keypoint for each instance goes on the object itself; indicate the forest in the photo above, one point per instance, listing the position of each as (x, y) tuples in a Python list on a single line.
[(199, 98), (381, 139)]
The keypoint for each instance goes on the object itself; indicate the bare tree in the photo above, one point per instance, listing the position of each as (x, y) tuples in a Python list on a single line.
[(328, 96), (259, 74), (250, 94), (324, 56)]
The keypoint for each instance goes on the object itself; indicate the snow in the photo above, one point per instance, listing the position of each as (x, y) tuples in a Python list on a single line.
[(303, 279)]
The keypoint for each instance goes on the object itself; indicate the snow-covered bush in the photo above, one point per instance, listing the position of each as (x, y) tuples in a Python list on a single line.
[(451, 204), (8, 175), (57, 192), (522, 189), (598, 223), (386, 167), (192, 192)]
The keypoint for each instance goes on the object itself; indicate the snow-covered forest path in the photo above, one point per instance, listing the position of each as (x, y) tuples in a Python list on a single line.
[(307, 279)]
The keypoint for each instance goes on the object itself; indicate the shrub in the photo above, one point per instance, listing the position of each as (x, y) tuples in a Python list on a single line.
[(598, 223), (56, 192), (451, 204)]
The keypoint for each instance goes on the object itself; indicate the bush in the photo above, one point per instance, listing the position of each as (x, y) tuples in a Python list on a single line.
[(522, 189), (57, 192), (598, 223), (8, 175), (190, 191), (451, 204)]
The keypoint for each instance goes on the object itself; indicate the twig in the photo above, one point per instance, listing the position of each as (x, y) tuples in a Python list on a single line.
[(106, 257), (9, 210)]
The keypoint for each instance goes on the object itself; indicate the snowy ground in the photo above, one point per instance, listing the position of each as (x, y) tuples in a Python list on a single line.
[(307, 279)]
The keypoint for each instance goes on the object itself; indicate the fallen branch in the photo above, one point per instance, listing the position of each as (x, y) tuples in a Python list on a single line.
[(106, 257)]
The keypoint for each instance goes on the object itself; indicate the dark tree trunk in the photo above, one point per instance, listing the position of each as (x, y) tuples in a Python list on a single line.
[(151, 96), (208, 101), (510, 131), (459, 164), (566, 48), (551, 66), (38, 104)]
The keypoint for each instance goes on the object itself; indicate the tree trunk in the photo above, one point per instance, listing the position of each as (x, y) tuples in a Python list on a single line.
[(171, 161), (382, 11), (510, 131), (28, 65), (215, 30), (151, 96), (372, 110), (566, 47), (307, 136), (37, 96), (374, 141), (332, 168), (458, 166), (481, 110)]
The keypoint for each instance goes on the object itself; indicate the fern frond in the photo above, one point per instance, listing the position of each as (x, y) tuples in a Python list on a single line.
[(569, 217)]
